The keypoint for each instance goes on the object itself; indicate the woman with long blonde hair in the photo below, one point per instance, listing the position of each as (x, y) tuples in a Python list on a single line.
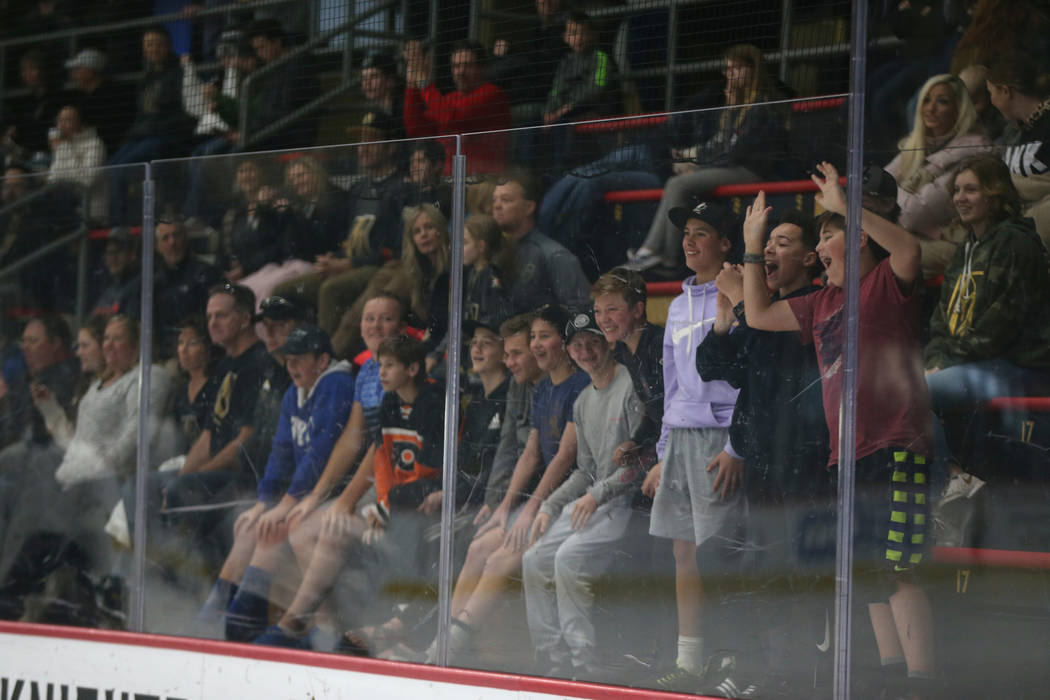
[(946, 131), (424, 258)]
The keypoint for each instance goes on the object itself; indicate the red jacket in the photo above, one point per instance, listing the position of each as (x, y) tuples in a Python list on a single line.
[(428, 113)]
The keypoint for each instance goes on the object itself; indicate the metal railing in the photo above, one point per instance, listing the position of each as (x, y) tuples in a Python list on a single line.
[(783, 56), (76, 34), (347, 81)]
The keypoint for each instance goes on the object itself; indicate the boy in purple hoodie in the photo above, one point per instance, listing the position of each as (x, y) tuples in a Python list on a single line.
[(699, 508)]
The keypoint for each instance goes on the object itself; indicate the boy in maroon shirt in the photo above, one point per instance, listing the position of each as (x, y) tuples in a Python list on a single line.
[(893, 425)]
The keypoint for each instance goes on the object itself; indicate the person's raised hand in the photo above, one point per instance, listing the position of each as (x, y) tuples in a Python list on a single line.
[(831, 196)]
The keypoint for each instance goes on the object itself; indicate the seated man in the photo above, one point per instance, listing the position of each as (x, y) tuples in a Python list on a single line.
[(278, 92), (212, 470), (122, 281), (474, 106), (575, 533), (180, 283), (401, 461), (107, 107), (159, 123), (547, 273), (313, 414)]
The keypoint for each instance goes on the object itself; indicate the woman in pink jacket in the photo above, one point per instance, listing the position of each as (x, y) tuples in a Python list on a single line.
[(946, 131)]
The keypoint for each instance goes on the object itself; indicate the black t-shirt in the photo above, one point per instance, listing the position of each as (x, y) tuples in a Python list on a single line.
[(240, 379), (192, 416), (482, 424)]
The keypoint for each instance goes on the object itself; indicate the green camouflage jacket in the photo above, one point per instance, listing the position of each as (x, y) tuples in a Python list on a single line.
[(994, 301)]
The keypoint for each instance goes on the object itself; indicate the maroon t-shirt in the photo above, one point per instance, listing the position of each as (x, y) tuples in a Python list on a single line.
[(893, 406)]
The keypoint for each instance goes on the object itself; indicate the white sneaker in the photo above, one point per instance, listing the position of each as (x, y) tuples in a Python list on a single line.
[(961, 485)]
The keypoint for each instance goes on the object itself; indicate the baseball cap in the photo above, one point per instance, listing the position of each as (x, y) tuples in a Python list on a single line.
[(382, 60), (877, 182), (88, 58), (306, 339), (720, 217), (382, 122), (278, 308), (582, 323), (119, 235)]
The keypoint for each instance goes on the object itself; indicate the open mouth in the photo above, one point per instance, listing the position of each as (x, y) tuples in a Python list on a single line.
[(771, 268), (826, 261)]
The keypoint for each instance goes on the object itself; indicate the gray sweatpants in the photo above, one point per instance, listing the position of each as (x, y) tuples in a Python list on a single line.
[(558, 572)]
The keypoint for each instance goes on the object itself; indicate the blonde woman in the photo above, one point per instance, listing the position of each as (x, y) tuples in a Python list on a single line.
[(424, 258), (737, 144), (946, 132)]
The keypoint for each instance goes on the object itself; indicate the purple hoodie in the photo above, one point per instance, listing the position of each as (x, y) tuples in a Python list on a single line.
[(690, 402)]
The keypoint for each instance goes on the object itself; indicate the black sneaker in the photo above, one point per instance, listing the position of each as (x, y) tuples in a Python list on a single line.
[(680, 680)]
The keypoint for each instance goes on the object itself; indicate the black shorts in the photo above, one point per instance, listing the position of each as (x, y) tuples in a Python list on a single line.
[(892, 511)]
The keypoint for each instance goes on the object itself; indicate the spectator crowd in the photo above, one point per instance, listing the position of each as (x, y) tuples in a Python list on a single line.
[(300, 307)]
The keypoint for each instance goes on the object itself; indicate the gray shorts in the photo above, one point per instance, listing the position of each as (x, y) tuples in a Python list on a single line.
[(685, 507)]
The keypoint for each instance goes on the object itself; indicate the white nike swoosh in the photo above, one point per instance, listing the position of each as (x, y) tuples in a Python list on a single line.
[(826, 644), (682, 332)]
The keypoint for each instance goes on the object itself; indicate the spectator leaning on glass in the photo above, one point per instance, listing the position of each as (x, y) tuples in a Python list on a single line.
[(893, 413)]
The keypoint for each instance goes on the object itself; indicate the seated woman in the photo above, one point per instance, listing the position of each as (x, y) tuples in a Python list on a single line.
[(1020, 89), (946, 131), (92, 364), (313, 413), (742, 143), (990, 333), (413, 277), (194, 397), (488, 267), (102, 453)]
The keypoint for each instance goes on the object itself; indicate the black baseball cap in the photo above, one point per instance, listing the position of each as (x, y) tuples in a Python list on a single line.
[(581, 323), (718, 216), (306, 339), (382, 122), (382, 60), (278, 308), (470, 326), (877, 182)]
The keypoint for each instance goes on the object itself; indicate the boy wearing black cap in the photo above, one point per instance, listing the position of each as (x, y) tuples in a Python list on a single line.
[(313, 413), (584, 517), (381, 86), (893, 432), (699, 508)]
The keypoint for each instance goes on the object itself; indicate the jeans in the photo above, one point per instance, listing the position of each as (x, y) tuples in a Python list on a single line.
[(139, 150), (961, 389), (573, 203)]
